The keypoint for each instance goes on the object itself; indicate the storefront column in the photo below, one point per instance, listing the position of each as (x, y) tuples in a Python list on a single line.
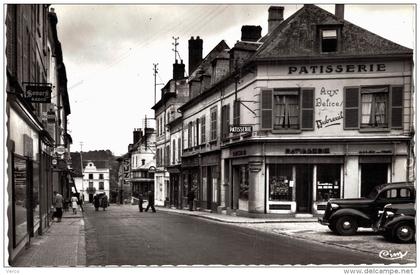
[(351, 177), (256, 187)]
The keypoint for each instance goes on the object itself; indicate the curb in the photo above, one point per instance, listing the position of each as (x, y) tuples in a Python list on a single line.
[(236, 222)]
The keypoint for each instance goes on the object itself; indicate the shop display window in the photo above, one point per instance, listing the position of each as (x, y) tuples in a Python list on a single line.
[(280, 182), (328, 182), (20, 173), (35, 192), (243, 183)]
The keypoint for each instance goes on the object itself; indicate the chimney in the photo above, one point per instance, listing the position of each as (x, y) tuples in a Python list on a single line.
[(339, 11), (195, 53), (250, 33), (275, 17), (178, 70), (137, 134)]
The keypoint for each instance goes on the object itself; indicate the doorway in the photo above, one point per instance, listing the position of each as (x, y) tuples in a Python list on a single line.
[(304, 188), (373, 174)]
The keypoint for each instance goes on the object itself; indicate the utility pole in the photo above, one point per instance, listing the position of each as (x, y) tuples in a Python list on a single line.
[(81, 166), (175, 44), (155, 71)]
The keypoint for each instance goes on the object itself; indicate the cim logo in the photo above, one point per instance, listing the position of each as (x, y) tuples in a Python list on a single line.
[(391, 255)]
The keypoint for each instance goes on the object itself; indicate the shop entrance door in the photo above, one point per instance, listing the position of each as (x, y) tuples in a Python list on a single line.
[(304, 188), (209, 187), (373, 174)]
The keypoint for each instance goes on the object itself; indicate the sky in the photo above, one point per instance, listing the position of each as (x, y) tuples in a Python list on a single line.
[(109, 52)]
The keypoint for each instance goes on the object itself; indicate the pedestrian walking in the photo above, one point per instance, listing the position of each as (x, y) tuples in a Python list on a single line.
[(104, 202), (58, 204), (191, 197), (81, 201), (141, 202), (74, 202), (151, 201), (96, 202)]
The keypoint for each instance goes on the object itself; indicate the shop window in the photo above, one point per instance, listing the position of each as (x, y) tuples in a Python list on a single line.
[(101, 185), (35, 192), (287, 109), (243, 183), (374, 107), (327, 182), (213, 123), (20, 200), (329, 40), (280, 182)]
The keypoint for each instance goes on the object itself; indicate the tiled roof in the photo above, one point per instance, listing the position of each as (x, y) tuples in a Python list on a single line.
[(205, 66), (297, 37)]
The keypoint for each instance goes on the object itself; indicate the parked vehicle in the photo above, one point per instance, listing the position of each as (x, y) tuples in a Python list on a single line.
[(344, 216), (397, 222)]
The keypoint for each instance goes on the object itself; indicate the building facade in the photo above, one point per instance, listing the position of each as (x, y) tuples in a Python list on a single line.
[(143, 163), (174, 94), (37, 107), (298, 116), (95, 179)]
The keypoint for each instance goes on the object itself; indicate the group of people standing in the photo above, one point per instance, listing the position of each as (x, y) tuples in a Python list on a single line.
[(100, 200)]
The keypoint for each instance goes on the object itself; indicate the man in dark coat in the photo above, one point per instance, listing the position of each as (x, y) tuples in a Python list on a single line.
[(141, 202), (151, 201), (191, 197), (96, 202)]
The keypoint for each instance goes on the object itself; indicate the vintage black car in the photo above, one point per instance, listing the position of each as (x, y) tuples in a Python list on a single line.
[(397, 222), (344, 216)]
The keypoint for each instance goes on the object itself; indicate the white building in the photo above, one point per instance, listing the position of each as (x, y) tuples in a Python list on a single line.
[(95, 179)]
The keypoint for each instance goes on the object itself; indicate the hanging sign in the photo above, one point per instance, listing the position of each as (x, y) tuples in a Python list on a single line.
[(38, 92)]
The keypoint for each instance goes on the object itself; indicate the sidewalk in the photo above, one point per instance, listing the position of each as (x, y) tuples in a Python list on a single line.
[(63, 245), (237, 219)]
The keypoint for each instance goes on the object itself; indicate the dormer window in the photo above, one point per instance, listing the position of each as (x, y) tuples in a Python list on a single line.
[(329, 40)]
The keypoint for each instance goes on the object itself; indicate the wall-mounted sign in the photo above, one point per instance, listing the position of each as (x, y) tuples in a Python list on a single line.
[(38, 92), (240, 129), (54, 161), (238, 153), (51, 116), (340, 68), (307, 151)]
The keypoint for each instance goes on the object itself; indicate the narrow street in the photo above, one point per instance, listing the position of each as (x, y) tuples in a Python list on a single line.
[(123, 236)]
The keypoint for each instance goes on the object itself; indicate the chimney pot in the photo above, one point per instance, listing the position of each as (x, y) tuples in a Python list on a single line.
[(275, 17), (339, 11), (195, 53), (250, 33)]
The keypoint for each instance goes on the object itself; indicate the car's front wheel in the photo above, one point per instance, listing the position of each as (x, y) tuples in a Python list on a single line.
[(346, 225), (404, 233)]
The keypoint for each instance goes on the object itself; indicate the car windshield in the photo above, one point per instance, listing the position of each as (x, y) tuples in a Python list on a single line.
[(373, 193)]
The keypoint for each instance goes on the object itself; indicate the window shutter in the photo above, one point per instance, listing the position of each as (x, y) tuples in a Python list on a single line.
[(236, 112), (307, 109), (351, 108), (397, 94), (266, 109), (227, 119)]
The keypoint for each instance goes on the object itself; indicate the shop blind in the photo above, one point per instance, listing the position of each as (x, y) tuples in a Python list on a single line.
[(351, 108), (266, 109), (307, 110), (397, 106)]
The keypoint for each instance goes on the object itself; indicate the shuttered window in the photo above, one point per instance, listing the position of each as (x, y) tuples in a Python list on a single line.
[(225, 120), (397, 106), (266, 109), (351, 108), (213, 123), (307, 110), (203, 129), (236, 113)]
